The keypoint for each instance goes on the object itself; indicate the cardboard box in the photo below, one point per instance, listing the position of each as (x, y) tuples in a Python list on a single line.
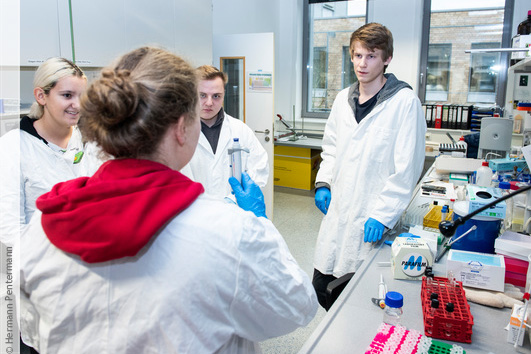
[(477, 270), (514, 325), (410, 255), (481, 196)]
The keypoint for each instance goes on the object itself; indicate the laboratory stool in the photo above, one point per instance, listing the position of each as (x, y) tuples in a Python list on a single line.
[(335, 287)]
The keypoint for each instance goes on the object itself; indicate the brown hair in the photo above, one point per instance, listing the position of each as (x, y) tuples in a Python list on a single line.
[(373, 36), (209, 72), (129, 108)]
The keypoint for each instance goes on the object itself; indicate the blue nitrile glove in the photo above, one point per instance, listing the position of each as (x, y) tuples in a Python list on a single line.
[(322, 199), (373, 230), (248, 195)]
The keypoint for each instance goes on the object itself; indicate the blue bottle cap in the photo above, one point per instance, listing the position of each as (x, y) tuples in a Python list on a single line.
[(394, 299), (444, 209), (504, 185)]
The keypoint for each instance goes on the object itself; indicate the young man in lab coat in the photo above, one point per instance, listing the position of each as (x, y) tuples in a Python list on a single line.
[(211, 162), (373, 155)]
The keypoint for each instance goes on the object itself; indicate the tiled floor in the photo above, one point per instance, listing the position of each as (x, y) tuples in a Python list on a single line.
[(298, 220)]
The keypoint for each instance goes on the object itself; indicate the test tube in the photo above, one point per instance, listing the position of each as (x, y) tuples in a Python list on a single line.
[(451, 279), (236, 160), (434, 307)]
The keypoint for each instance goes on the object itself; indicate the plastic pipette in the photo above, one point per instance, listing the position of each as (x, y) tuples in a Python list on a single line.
[(236, 159)]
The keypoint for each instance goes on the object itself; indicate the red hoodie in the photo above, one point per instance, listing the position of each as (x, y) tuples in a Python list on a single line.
[(116, 212)]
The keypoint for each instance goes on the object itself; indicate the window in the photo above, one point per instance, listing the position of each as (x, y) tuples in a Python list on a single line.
[(483, 74), (234, 100), (319, 66), (452, 75), (329, 25), (348, 77), (438, 72)]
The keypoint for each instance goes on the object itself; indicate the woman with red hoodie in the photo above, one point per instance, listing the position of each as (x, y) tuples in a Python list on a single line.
[(136, 259)]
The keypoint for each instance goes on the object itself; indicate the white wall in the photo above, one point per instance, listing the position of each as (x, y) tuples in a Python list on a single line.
[(9, 48), (284, 19), (404, 19)]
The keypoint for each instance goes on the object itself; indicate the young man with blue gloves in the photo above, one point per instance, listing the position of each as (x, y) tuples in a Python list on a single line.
[(373, 155)]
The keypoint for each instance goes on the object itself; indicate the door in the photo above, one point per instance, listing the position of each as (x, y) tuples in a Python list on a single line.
[(257, 49)]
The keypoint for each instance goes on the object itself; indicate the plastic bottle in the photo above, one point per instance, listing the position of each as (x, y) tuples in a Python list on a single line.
[(506, 189), (463, 142), (484, 175), (444, 212), (519, 201), (393, 308), (236, 160), (495, 180)]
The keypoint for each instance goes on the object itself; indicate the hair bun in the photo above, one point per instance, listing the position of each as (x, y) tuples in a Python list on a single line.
[(115, 96)]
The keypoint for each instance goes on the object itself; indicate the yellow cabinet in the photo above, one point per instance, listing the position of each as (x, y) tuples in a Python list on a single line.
[(296, 167)]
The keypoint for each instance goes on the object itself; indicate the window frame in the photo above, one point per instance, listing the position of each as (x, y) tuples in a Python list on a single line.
[(306, 41), (504, 56)]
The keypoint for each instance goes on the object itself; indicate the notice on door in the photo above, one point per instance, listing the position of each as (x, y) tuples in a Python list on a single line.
[(260, 81)]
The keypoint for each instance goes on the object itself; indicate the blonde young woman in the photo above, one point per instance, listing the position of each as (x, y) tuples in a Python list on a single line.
[(46, 149), (136, 258)]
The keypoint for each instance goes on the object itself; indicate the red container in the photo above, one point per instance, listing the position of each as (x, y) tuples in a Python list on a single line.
[(453, 326), (516, 279), (515, 265)]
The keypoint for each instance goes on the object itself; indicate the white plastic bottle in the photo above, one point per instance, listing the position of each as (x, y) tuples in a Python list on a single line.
[(506, 189), (484, 175), (236, 160), (393, 308), (463, 143)]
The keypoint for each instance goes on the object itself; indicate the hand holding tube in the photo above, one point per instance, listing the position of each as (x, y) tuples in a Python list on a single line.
[(373, 230), (248, 195), (323, 198)]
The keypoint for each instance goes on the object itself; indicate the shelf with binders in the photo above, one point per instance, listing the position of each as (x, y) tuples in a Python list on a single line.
[(448, 116)]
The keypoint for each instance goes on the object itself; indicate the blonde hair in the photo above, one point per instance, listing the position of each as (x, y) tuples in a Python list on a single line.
[(47, 76), (130, 107), (209, 72)]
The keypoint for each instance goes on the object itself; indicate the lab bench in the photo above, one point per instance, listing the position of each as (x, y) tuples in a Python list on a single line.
[(353, 321)]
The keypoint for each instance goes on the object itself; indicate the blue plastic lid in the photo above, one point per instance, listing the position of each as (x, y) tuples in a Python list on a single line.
[(394, 299), (236, 139), (444, 209), (504, 185)]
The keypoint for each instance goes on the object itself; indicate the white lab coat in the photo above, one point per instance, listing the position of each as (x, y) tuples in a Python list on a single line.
[(216, 279), (372, 168), (213, 170), (31, 168)]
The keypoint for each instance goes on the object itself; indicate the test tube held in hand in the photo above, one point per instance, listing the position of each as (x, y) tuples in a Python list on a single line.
[(236, 160)]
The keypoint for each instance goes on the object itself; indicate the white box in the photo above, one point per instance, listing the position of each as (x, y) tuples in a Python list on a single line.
[(521, 41), (410, 255), (480, 196), (448, 164), (477, 270), (431, 238), (514, 244)]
